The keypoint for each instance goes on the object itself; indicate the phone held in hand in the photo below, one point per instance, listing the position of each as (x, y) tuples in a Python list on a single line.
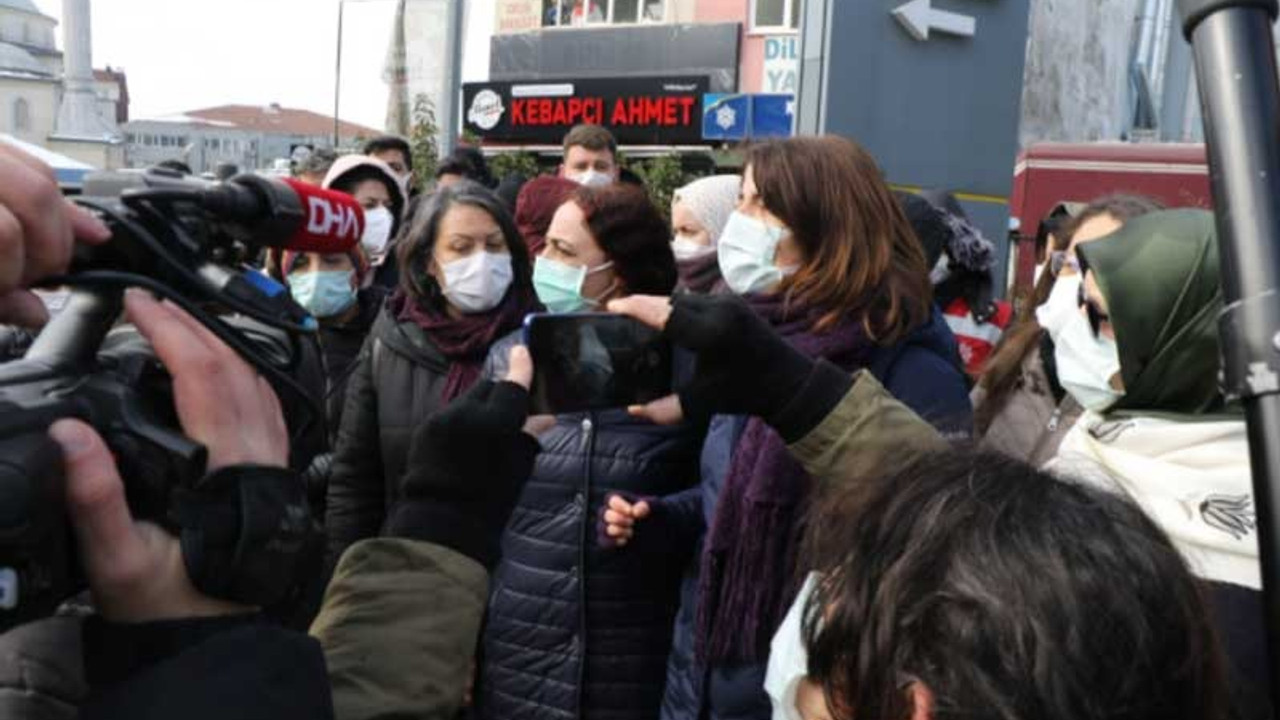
[(595, 361)]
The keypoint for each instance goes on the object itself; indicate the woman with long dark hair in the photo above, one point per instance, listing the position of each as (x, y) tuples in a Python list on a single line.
[(465, 282)]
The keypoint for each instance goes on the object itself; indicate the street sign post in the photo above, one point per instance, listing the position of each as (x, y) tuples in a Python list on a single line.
[(932, 88)]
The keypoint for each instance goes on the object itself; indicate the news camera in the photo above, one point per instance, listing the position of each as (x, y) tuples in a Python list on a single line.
[(188, 241)]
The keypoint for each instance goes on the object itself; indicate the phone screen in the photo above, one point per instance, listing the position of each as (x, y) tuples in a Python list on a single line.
[(590, 361)]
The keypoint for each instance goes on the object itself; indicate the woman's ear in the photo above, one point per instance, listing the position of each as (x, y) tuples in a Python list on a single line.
[(921, 699)]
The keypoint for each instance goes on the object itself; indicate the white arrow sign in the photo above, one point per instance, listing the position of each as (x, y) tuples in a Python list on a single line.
[(919, 18)]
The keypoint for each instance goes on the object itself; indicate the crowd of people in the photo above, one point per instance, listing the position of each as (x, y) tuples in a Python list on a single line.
[(879, 492)]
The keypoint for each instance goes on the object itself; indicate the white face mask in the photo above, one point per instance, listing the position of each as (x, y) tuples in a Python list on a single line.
[(478, 282), (686, 249), (788, 659), (747, 251), (1086, 364), (377, 231), (592, 178), (1062, 305)]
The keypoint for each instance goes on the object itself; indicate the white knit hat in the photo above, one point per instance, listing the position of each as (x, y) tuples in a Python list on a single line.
[(711, 200)]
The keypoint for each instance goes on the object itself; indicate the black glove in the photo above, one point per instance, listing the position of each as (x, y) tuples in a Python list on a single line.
[(744, 367), (465, 470), (247, 534)]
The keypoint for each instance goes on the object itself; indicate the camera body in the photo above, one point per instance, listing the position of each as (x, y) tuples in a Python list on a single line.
[(169, 239)]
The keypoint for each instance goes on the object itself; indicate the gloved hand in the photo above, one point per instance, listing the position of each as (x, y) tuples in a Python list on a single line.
[(467, 465), (743, 366)]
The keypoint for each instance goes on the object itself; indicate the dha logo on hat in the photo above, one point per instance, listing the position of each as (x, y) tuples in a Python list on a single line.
[(486, 110)]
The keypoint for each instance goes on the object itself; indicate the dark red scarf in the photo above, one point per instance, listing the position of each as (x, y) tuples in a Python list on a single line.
[(464, 341)]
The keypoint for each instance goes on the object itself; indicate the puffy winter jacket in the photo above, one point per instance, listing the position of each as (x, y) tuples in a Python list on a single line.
[(340, 345), (923, 372), (576, 630), (395, 386)]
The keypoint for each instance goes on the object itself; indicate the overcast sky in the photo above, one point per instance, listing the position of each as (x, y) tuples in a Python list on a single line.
[(187, 54)]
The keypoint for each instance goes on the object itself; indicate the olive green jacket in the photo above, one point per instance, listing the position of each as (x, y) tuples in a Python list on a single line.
[(398, 627), (869, 432)]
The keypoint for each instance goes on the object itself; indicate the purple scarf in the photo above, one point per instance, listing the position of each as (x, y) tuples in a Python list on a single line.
[(748, 579), (700, 276), (464, 341)]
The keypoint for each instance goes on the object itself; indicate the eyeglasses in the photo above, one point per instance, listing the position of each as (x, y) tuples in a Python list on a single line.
[(1093, 310), (1060, 259)]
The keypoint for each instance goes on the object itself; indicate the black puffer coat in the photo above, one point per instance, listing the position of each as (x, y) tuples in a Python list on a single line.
[(395, 386), (576, 630)]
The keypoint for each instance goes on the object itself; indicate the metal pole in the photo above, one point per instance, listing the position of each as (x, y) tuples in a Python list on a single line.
[(1240, 98), (449, 113), (337, 77)]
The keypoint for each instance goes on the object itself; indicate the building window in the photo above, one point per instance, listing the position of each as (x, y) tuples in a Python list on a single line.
[(21, 115), (772, 15), (580, 13), (26, 34)]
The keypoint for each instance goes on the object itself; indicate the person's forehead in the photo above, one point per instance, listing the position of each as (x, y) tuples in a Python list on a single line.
[(681, 214), (372, 187), (580, 152)]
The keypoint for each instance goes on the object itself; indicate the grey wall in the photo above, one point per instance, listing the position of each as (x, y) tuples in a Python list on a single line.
[(1076, 87)]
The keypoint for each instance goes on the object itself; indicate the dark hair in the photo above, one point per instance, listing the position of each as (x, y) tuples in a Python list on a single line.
[(591, 137), (927, 223), (469, 163), (630, 230), (1003, 368), (413, 252), (863, 260), (1009, 594), (383, 143), (175, 165)]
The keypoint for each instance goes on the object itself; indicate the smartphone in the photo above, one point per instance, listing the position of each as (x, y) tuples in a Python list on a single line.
[(595, 361)]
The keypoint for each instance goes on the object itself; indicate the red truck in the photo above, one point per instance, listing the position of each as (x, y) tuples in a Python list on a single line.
[(1049, 173)]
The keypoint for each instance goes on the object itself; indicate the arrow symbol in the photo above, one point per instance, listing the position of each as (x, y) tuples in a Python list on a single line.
[(919, 18)]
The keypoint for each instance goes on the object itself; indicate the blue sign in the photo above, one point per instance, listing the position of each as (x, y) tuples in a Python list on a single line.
[(772, 115), (726, 117)]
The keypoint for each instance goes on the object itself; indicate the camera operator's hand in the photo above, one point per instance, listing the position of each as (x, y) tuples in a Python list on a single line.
[(135, 569), (467, 465), (743, 366), (38, 228)]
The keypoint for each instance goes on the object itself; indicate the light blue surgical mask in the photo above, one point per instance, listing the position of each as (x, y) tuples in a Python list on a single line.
[(747, 251), (559, 286), (1086, 363), (324, 293)]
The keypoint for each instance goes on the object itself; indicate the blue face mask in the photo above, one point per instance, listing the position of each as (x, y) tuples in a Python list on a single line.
[(559, 286), (325, 293)]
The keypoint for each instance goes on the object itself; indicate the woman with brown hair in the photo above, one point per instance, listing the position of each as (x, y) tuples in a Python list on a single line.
[(822, 251), (1020, 409)]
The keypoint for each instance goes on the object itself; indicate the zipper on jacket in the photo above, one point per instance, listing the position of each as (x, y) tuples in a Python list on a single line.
[(587, 535)]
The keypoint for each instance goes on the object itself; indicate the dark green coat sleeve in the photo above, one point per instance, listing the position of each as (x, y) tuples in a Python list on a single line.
[(868, 432), (399, 627)]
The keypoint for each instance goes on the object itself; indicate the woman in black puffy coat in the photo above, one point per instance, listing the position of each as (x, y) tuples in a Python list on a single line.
[(575, 629)]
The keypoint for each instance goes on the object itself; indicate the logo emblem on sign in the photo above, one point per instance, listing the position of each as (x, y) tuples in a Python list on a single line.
[(486, 110), (726, 117)]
